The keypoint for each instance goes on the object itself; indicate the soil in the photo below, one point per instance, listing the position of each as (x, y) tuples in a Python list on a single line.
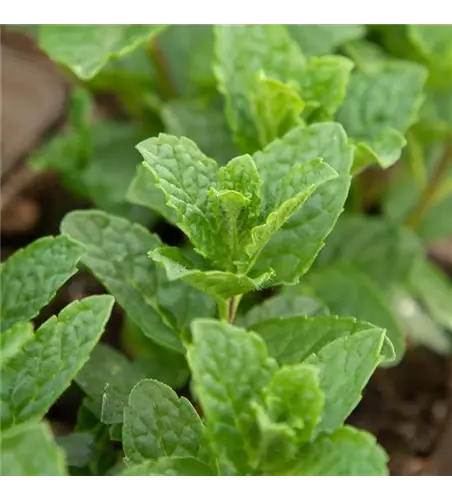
[(408, 408)]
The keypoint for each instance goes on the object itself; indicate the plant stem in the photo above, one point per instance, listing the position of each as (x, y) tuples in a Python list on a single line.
[(414, 218), (223, 309), (233, 305), (227, 309), (167, 88)]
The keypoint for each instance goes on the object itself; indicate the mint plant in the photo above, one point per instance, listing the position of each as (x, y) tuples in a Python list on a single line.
[(248, 345), (37, 366)]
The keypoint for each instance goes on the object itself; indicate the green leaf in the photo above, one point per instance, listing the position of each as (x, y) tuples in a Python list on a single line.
[(152, 360), (284, 306), (203, 122), (157, 423), (107, 378), (117, 256), (103, 453), (34, 380), (347, 291), (219, 284), (31, 277), (324, 85), (319, 39), (402, 198), (216, 221), (381, 104), (97, 163), (235, 205), (345, 452), (382, 249), (434, 290), (29, 450), (435, 225), (78, 447), (143, 191), (276, 442), (293, 396), (435, 46), (435, 116), (85, 49), (188, 51), (292, 339), (346, 365), (241, 175), (276, 107), (170, 466), (292, 250), (365, 53), (243, 52), (229, 367), (111, 168), (134, 81), (283, 199), (184, 174), (418, 323), (13, 340)]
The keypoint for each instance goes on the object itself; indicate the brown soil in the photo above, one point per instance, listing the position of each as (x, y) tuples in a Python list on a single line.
[(408, 409)]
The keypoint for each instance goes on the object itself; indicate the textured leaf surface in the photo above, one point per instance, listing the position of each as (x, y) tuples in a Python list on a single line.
[(13, 340), (379, 107), (170, 466), (283, 199), (218, 284), (349, 292), (276, 108), (345, 452), (294, 396), (184, 174), (293, 339), (143, 191), (204, 123), (117, 256), (85, 49), (32, 276), (33, 380), (229, 367), (284, 306), (157, 423), (235, 205), (346, 365), (243, 52), (276, 442), (29, 450), (107, 378), (292, 250), (324, 85)]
